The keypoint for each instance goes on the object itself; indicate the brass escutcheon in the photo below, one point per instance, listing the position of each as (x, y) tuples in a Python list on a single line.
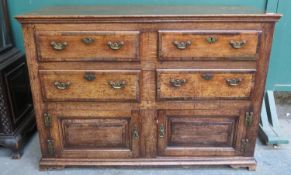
[(88, 40), (207, 76), (89, 76), (211, 39)]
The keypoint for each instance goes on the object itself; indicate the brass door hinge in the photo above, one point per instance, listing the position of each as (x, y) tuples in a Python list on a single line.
[(162, 131), (244, 145), (47, 120), (50, 147), (249, 119)]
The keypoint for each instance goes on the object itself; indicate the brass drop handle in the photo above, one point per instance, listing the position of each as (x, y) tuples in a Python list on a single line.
[(117, 84), (182, 44), (161, 130), (116, 45), (207, 76), (211, 39), (177, 82), (59, 46), (135, 133), (62, 85), (237, 44), (89, 76), (233, 81), (88, 40)]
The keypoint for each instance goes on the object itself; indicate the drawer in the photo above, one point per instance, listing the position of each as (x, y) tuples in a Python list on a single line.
[(208, 45), (95, 134), (200, 132), (81, 85), (88, 46), (204, 84)]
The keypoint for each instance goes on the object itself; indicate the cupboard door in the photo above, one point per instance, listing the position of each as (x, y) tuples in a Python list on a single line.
[(96, 134), (200, 132)]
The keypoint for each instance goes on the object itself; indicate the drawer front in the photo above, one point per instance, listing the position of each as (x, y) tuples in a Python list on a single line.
[(95, 134), (88, 46), (93, 85), (204, 84), (200, 132), (208, 45)]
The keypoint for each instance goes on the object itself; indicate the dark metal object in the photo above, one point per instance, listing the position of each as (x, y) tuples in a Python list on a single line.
[(89, 76), (182, 44), (115, 45), (237, 44), (59, 46), (117, 84), (177, 82), (62, 85), (88, 40), (233, 81), (207, 76)]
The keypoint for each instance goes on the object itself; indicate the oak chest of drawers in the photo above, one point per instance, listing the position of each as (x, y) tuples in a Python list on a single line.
[(148, 86)]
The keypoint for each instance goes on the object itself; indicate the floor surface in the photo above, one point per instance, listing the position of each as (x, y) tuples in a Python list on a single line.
[(271, 161)]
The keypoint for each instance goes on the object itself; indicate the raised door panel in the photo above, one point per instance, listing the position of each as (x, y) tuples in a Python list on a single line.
[(200, 132), (96, 134)]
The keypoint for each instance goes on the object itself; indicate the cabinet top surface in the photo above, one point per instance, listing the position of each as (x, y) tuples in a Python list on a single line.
[(146, 12)]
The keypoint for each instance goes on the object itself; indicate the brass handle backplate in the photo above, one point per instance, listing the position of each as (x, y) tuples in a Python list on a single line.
[(233, 81), (161, 131), (59, 46), (182, 44), (62, 85), (89, 76), (117, 84), (88, 40), (177, 82), (135, 133), (207, 76), (115, 45), (211, 39), (237, 44)]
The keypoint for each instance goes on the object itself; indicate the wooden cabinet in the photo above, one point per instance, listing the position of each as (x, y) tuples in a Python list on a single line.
[(117, 87)]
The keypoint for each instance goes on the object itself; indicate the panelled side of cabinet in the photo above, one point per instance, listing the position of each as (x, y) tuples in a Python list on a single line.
[(31, 57)]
